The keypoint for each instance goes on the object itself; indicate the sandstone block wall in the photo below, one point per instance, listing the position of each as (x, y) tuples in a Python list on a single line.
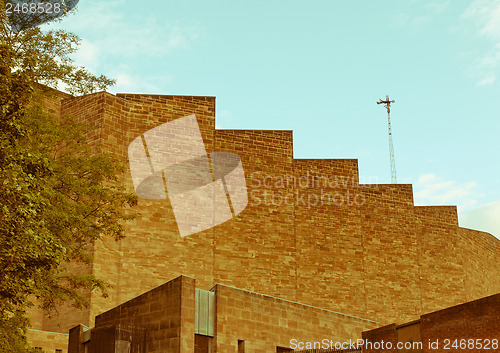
[(329, 244), (439, 238), (470, 327), (257, 244), (363, 250), (50, 342), (166, 312), (265, 322), (153, 248), (258, 322), (474, 320), (391, 268), (480, 256), (386, 334)]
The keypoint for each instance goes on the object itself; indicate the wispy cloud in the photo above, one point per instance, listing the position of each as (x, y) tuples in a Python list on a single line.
[(436, 7), (433, 190), (421, 14), (108, 28), (112, 33), (87, 55), (127, 81), (483, 218), (483, 16)]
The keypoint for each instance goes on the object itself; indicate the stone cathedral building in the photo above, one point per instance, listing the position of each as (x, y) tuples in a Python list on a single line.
[(314, 253)]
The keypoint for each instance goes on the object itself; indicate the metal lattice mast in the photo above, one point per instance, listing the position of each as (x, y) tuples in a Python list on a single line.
[(387, 105)]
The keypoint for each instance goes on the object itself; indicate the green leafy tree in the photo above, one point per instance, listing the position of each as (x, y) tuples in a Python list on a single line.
[(47, 56), (12, 334), (58, 194)]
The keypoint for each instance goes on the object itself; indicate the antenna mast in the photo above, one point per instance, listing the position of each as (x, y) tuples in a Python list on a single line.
[(387, 105)]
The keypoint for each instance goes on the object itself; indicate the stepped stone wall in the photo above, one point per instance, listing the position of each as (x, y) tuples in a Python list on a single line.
[(311, 233)]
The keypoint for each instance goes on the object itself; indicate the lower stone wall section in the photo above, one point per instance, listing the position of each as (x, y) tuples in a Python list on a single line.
[(49, 342), (470, 327), (387, 334), (163, 320), (476, 320), (166, 312), (264, 323)]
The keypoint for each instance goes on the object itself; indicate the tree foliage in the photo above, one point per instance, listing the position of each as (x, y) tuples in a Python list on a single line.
[(47, 57), (58, 195), (13, 334)]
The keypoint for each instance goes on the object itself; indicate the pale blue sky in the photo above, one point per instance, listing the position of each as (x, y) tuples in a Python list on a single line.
[(318, 68)]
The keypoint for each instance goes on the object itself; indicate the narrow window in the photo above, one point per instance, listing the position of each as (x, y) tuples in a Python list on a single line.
[(241, 346)]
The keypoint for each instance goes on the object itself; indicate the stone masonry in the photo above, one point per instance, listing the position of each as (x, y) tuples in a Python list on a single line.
[(311, 233)]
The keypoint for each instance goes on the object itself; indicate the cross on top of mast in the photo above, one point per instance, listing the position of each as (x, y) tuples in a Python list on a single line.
[(387, 103)]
